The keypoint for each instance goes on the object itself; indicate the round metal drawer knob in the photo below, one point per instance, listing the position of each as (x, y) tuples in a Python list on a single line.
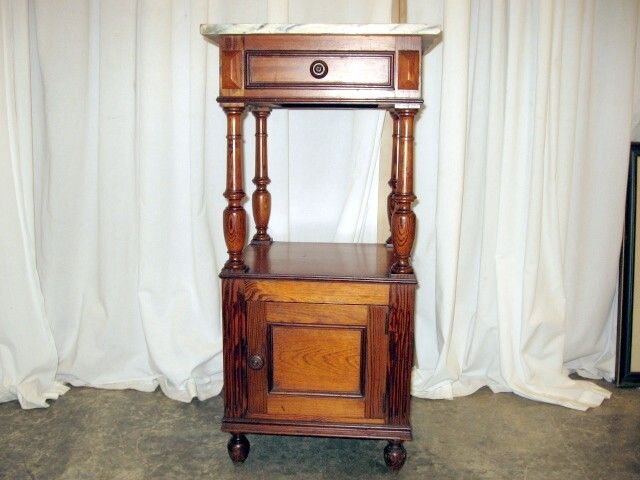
[(256, 362), (319, 69)]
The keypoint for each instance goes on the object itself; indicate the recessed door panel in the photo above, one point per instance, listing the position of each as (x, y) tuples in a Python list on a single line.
[(316, 359), (312, 361)]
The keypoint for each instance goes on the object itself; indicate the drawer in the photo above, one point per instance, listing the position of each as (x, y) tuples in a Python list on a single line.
[(295, 70), (320, 69)]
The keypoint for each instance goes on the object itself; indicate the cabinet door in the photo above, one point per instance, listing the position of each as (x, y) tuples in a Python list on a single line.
[(312, 361)]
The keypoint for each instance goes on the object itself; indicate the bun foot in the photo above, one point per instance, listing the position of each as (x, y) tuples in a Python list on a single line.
[(238, 448), (394, 455)]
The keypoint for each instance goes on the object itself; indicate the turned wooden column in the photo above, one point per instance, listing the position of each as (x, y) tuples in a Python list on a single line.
[(403, 220), (261, 198), (393, 180), (234, 217)]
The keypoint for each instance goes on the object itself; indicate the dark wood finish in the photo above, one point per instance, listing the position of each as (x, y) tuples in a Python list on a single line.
[(319, 261), (625, 376), (234, 217), (400, 329), (318, 338), (395, 455), (283, 426), (234, 334), (261, 198), (238, 448), (334, 352), (257, 345), (403, 220), (377, 357), (393, 180)]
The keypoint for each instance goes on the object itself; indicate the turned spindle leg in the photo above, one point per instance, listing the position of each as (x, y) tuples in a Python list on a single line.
[(261, 198), (393, 180), (403, 220), (234, 217), (394, 455), (238, 447)]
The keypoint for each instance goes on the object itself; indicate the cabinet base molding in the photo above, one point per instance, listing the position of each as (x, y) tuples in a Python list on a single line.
[(316, 429)]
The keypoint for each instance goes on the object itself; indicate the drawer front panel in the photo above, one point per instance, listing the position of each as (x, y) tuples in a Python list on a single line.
[(266, 69)]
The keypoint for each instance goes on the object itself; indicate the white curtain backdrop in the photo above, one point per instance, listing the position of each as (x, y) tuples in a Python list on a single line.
[(28, 358), (534, 107), (112, 169), (112, 176)]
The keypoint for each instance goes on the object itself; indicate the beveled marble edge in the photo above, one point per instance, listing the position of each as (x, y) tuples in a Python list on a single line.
[(216, 29)]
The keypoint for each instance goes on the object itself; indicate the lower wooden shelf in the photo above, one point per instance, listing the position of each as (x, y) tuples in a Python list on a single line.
[(318, 340)]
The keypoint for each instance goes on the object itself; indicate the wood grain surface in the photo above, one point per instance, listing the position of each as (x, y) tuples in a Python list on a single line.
[(318, 359), (261, 198), (364, 262), (317, 292), (275, 70), (316, 313), (318, 338)]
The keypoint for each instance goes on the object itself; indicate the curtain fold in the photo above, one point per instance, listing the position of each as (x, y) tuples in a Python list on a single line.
[(534, 132), (125, 254), (28, 356), (110, 238), (112, 210)]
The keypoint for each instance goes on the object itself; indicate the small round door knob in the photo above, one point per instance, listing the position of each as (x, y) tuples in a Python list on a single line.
[(319, 69), (256, 362)]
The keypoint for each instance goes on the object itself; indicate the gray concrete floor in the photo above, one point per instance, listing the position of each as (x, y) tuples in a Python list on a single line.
[(100, 434)]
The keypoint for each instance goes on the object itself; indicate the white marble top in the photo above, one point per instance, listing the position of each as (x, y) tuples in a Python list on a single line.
[(319, 29), (429, 32)]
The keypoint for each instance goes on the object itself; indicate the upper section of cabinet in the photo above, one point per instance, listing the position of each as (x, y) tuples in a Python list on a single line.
[(274, 65)]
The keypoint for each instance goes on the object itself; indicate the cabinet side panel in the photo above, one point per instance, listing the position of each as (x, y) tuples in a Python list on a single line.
[(377, 353), (401, 301), (235, 363)]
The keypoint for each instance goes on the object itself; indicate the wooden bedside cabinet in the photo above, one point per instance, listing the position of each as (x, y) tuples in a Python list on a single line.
[(318, 338)]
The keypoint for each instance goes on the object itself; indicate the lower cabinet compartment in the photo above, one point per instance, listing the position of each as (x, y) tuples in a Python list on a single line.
[(311, 361), (317, 357)]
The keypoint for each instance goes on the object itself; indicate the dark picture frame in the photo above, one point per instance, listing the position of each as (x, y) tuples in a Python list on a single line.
[(626, 374)]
